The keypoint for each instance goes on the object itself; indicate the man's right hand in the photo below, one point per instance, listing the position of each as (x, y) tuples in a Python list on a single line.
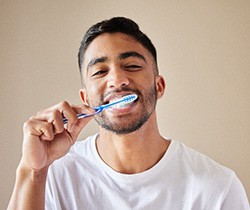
[(46, 138)]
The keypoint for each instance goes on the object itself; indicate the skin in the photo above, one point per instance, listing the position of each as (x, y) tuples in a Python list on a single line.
[(46, 139)]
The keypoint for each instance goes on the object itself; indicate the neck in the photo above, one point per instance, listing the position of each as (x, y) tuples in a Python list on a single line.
[(134, 152)]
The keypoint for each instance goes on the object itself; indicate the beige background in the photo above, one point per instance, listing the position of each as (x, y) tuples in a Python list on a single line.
[(204, 53)]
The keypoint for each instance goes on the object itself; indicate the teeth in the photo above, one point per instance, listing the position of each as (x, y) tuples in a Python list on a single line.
[(114, 100), (122, 105)]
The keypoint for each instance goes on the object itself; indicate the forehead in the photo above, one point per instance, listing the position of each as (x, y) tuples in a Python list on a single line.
[(111, 45)]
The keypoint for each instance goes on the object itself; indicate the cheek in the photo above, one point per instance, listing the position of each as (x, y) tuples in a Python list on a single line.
[(147, 81), (94, 93)]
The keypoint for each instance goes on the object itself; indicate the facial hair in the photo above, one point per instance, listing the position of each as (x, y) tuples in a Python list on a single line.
[(128, 124)]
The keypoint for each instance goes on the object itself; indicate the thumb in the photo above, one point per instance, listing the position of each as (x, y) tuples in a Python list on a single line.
[(81, 123)]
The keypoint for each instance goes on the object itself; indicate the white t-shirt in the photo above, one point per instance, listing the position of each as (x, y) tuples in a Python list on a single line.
[(182, 180)]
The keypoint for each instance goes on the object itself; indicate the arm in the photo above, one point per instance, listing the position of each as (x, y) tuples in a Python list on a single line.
[(45, 140), (29, 190)]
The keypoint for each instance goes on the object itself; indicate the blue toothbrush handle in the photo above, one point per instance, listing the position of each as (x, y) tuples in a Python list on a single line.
[(82, 115)]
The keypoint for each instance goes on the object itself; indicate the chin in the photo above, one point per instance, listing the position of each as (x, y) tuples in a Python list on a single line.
[(121, 129)]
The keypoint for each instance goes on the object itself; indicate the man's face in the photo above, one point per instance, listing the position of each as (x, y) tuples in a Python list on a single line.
[(116, 65)]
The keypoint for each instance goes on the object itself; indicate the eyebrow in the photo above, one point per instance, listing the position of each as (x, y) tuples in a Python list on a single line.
[(122, 56), (131, 54), (94, 61)]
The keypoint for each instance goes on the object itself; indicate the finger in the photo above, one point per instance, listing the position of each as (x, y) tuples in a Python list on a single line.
[(83, 109), (41, 129), (77, 128), (57, 121), (58, 106), (69, 113), (56, 113), (47, 131), (81, 123), (54, 117)]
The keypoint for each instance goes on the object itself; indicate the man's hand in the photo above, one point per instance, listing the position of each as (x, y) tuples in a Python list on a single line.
[(46, 138)]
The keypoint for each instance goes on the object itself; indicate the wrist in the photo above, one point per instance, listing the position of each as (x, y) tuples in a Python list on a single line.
[(35, 176)]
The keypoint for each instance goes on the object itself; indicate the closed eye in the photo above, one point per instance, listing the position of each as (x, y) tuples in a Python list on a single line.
[(133, 67)]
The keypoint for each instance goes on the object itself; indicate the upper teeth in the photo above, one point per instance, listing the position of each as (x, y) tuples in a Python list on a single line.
[(121, 105), (114, 100)]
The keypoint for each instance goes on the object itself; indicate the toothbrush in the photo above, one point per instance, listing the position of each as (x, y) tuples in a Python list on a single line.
[(124, 100)]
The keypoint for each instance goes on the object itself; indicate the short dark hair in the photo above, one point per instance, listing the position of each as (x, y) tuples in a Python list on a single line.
[(113, 25)]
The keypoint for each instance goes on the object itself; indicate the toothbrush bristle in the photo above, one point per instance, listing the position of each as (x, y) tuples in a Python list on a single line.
[(129, 98), (124, 100)]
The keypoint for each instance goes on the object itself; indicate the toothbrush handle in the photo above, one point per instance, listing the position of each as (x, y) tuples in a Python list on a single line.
[(82, 115)]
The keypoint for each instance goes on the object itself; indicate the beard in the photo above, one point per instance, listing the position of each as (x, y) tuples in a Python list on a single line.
[(131, 122)]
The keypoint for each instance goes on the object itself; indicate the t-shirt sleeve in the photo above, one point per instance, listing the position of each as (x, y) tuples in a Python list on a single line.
[(236, 197)]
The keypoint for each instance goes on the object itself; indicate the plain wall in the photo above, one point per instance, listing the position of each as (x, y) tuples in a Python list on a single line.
[(203, 52)]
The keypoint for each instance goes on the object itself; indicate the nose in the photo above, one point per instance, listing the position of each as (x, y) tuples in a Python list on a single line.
[(117, 79)]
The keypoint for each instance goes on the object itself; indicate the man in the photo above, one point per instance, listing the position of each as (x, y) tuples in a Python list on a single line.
[(128, 164)]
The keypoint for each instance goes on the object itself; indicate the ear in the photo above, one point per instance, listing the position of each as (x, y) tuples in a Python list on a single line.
[(160, 86), (83, 96)]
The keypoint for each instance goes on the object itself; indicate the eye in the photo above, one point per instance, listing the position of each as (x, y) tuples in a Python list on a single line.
[(99, 73), (133, 67)]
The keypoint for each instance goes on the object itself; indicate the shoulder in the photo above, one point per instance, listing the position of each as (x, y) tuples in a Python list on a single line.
[(197, 160), (202, 168), (207, 178), (220, 180)]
